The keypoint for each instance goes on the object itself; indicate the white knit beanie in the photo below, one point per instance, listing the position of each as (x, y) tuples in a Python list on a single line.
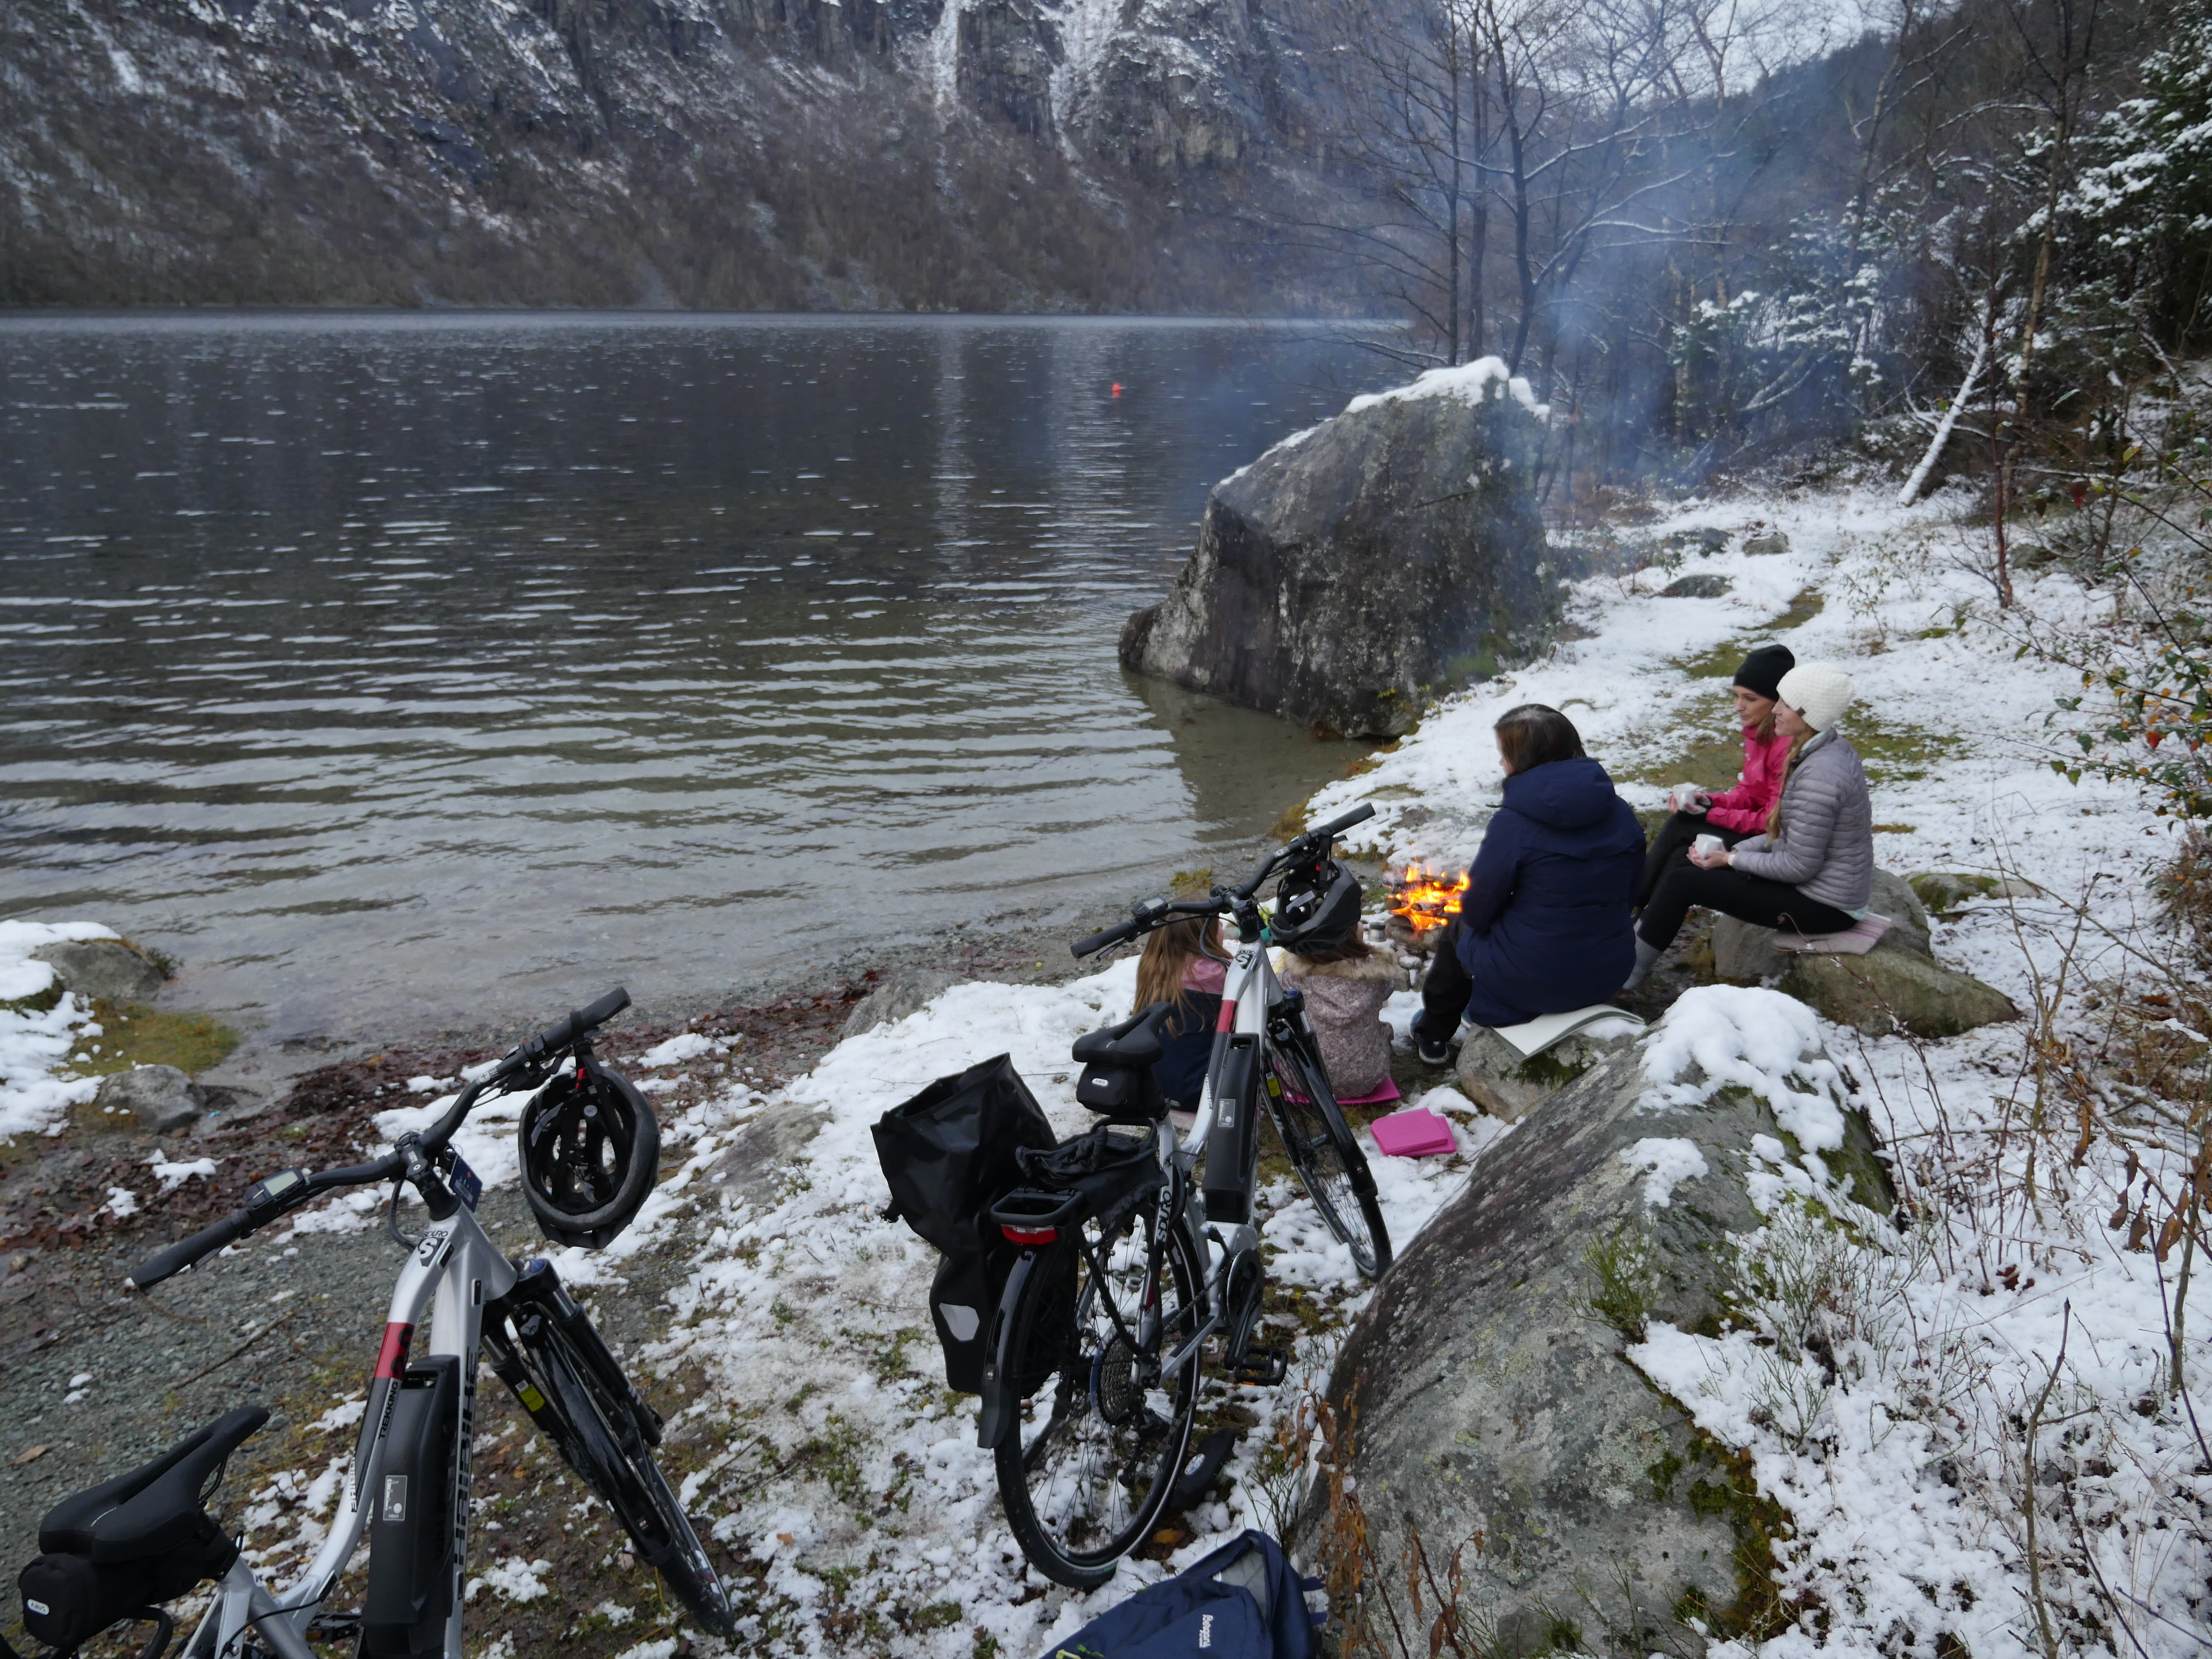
[(1819, 691)]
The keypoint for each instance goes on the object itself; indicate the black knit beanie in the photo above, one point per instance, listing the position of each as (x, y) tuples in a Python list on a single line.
[(1763, 669)]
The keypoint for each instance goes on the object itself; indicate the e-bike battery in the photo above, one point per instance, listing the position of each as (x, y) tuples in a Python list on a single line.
[(1234, 1143), (411, 1568)]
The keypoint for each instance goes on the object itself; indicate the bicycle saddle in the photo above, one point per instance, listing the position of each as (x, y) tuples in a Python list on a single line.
[(155, 1507), (1135, 1042)]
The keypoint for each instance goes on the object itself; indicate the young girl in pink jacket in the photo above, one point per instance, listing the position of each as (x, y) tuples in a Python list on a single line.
[(1736, 814)]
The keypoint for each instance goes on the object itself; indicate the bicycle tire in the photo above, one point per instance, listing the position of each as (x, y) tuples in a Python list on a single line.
[(1051, 1515), (1326, 1155), (600, 1439)]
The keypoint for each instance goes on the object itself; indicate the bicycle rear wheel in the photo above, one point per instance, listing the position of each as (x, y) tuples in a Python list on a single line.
[(1088, 1464), (599, 1436), (1324, 1152)]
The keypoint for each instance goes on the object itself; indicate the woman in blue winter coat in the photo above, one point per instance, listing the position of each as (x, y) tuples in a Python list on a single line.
[(1544, 925)]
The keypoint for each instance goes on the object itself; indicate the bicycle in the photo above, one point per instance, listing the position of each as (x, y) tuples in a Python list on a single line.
[(1092, 1381), (409, 1486)]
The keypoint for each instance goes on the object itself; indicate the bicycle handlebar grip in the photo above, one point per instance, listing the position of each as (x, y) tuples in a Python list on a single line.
[(565, 1030), (1098, 941), (1359, 814), (164, 1264)]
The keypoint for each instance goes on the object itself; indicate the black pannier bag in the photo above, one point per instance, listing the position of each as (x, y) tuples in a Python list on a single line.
[(949, 1154), (1107, 1173)]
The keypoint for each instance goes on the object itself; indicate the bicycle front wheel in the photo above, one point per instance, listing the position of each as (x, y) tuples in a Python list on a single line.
[(1324, 1152), (599, 1436), (1088, 1467)]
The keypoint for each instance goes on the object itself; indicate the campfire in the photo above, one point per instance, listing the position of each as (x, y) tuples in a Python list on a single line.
[(1422, 900)]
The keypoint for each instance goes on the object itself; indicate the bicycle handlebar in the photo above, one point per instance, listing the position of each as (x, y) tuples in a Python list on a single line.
[(265, 1201), (164, 1264), (560, 1033), (271, 1198), (576, 1023), (1153, 914), (1120, 931), (1337, 826)]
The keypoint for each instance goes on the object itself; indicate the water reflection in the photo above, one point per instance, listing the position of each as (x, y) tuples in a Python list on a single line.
[(383, 667)]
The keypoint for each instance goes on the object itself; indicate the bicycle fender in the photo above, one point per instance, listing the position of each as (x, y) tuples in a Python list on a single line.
[(1000, 1408)]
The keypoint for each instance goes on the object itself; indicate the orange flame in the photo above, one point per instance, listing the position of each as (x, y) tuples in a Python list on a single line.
[(1427, 898)]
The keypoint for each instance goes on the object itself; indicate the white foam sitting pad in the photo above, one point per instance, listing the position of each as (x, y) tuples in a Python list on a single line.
[(1531, 1038), (1856, 940)]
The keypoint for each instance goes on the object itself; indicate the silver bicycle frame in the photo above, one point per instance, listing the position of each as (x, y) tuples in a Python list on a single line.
[(457, 1264), (1248, 989)]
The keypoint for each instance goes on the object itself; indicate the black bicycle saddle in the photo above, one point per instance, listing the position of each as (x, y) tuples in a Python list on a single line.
[(155, 1507), (1134, 1043)]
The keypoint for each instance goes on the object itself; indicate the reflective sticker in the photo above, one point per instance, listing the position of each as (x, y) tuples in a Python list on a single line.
[(39, 1607), (532, 1400), (391, 1358)]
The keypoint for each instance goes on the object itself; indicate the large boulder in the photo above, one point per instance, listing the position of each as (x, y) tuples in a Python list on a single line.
[(1744, 953), (1487, 1388), (103, 968), (1359, 569), (1496, 1079), (908, 991), (159, 1098), (1897, 985)]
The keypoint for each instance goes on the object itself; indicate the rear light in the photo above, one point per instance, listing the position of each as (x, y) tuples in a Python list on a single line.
[(1031, 1235)]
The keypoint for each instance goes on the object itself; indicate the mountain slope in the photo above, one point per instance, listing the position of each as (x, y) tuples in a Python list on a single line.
[(880, 154)]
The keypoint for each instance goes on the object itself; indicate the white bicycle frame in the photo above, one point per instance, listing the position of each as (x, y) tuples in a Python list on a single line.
[(454, 1261), (1248, 989)]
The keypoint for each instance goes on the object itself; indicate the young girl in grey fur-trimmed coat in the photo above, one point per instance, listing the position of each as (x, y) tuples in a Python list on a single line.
[(1344, 989)]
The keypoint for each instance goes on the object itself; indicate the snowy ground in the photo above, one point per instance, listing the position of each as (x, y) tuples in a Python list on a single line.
[(35, 1041), (1887, 1384)]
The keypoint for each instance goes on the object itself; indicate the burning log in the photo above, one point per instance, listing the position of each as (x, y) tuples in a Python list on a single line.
[(1422, 900)]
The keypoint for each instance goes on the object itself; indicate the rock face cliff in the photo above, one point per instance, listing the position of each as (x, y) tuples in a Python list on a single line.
[(1358, 569), (876, 153)]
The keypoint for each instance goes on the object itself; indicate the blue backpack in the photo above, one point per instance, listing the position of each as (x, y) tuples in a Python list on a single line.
[(1243, 1601)]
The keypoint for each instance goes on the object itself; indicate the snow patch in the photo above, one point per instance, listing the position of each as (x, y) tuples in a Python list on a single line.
[(1664, 1163)]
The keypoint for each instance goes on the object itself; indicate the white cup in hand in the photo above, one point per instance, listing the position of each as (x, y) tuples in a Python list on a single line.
[(1707, 845)]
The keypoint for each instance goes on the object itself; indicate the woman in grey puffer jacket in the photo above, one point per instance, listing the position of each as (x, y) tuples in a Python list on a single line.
[(1814, 868)]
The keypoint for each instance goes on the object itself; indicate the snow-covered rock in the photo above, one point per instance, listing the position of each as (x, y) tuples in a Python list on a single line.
[(1363, 566), (1495, 1408)]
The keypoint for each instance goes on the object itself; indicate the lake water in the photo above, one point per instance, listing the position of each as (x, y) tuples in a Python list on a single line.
[(393, 670)]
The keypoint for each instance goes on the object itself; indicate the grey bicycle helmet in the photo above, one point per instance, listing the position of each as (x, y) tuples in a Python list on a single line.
[(1316, 908), (591, 1151)]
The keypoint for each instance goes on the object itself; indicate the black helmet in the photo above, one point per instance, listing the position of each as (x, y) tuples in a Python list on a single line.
[(591, 1148), (1316, 908)]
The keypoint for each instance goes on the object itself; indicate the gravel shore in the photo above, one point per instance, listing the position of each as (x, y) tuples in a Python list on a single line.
[(95, 1377)]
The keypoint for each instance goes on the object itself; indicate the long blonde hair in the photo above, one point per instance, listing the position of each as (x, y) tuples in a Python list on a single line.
[(1788, 769), (1169, 952)]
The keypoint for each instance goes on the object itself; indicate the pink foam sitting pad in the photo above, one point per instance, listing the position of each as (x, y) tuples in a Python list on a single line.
[(1381, 1097), (1861, 937), (1417, 1132)]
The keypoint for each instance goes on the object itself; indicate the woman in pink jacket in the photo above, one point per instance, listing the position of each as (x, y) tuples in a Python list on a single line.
[(1736, 814)]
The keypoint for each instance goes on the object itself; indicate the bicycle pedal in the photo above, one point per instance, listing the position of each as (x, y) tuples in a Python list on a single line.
[(334, 1627), (1201, 1469), (1261, 1363)]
